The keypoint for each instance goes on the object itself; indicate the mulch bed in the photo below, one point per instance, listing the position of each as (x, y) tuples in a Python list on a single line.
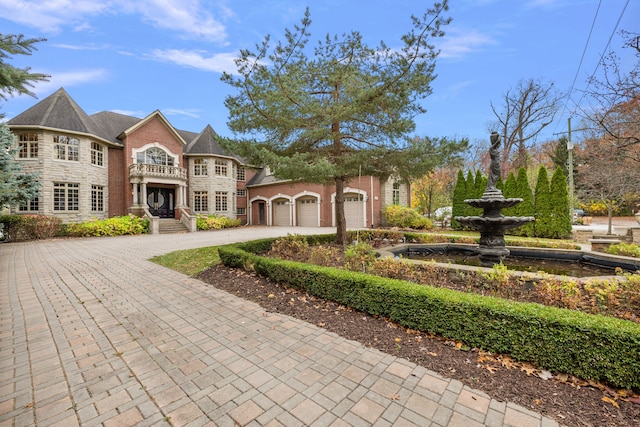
[(568, 400)]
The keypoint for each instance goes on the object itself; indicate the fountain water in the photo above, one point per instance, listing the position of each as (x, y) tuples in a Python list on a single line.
[(492, 224)]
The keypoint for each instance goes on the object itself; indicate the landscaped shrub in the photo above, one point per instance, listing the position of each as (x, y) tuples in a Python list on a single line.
[(406, 217), (115, 226), (29, 227), (359, 256), (215, 222), (624, 249), (588, 346)]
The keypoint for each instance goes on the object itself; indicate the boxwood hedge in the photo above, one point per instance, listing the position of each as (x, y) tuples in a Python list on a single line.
[(588, 346)]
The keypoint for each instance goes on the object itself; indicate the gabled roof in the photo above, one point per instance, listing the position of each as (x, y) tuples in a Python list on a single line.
[(156, 114), (59, 111), (114, 123)]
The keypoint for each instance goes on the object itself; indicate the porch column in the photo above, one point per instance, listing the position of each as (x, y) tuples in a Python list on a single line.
[(136, 188), (144, 194)]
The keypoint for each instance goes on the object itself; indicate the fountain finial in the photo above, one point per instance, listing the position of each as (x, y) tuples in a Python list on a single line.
[(495, 169)]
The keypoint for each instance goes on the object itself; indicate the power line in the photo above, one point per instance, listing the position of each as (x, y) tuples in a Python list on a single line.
[(584, 51), (606, 48), (584, 92)]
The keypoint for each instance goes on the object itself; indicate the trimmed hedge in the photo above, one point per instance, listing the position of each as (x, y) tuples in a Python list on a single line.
[(17, 228), (588, 346)]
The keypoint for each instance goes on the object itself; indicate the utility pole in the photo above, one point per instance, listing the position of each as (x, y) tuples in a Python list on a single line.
[(570, 166)]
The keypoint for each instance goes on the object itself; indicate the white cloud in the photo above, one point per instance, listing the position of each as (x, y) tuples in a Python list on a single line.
[(51, 15), (68, 79), (190, 112), (458, 43), (196, 59), (189, 17), (131, 113)]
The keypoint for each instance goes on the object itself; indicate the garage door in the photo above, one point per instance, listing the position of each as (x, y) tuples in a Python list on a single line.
[(354, 210), (281, 213), (307, 210)]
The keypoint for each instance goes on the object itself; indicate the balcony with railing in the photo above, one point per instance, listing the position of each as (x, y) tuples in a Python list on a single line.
[(144, 170)]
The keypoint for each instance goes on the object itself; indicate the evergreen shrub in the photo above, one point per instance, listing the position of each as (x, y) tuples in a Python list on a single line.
[(589, 346)]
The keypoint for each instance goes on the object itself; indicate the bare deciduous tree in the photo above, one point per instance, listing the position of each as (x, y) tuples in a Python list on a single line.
[(527, 109), (614, 112)]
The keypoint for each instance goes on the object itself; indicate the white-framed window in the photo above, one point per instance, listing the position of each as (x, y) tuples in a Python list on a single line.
[(30, 205), (66, 196), (97, 154), (396, 193), (201, 201), (241, 211), (241, 192), (66, 148), (222, 201), (241, 174), (221, 167), (27, 145), (154, 156), (200, 167), (97, 198)]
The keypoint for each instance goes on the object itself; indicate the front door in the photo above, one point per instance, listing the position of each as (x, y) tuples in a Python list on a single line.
[(161, 201)]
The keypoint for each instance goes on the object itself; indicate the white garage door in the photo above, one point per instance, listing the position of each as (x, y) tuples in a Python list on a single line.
[(281, 213), (354, 213), (307, 212)]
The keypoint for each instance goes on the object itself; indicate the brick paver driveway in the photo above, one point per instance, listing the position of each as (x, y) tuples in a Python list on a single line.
[(92, 333)]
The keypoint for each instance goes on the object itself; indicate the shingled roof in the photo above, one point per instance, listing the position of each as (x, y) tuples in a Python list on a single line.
[(59, 111)]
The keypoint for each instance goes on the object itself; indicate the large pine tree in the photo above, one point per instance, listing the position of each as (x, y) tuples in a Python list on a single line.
[(324, 113), (16, 187)]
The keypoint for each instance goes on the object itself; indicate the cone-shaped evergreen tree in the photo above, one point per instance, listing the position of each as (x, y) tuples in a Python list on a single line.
[(508, 192), (560, 215), (542, 205), (459, 207), (525, 208), (472, 194), (480, 184)]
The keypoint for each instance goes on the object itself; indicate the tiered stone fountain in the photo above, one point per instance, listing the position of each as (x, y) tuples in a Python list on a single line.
[(492, 224)]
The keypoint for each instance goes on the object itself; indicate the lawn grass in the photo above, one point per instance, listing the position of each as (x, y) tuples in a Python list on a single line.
[(189, 261)]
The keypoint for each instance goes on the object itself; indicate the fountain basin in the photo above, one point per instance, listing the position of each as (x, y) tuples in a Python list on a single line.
[(596, 265)]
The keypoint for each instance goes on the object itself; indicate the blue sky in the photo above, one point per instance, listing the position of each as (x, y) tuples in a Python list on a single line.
[(135, 57)]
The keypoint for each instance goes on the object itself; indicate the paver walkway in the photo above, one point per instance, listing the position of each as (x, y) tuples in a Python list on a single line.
[(92, 333)]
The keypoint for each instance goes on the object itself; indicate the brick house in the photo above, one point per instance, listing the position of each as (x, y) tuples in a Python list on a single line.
[(109, 164)]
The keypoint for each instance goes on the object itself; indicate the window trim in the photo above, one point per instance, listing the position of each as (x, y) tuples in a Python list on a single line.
[(97, 154), (97, 198), (69, 194), (66, 148)]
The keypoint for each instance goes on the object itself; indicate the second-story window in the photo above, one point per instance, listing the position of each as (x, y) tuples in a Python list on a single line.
[(200, 167), (97, 154), (221, 167), (240, 174), (66, 148), (155, 156), (28, 146)]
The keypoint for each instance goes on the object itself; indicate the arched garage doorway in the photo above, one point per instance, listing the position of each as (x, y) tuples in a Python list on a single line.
[(307, 211), (281, 211)]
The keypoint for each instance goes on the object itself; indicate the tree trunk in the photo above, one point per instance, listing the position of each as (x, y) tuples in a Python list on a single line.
[(610, 214), (341, 222)]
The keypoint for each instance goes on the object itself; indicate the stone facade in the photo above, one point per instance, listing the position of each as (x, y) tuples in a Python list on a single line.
[(146, 166)]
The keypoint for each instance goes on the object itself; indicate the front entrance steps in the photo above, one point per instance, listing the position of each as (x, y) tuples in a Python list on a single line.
[(171, 226)]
